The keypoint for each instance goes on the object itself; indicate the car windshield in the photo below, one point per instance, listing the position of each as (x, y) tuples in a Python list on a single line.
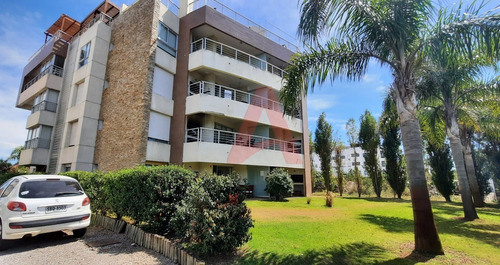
[(49, 189)]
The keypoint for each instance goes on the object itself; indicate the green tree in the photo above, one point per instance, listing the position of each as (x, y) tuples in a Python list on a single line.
[(369, 140), (441, 168), (279, 184), (395, 33), (352, 133), (338, 147), (313, 170), (395, 169), (323, 144), (15, 155), (4, 165)]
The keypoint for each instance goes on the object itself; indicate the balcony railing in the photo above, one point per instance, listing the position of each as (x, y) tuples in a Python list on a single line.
[(231, 138), (45, 105), (208, 88), (100, 17), (223, 49), (52, 69), (243, 20), (59, 35), (171, 6), (37, 143)]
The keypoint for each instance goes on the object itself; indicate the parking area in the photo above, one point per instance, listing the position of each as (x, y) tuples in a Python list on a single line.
[(58, 248)]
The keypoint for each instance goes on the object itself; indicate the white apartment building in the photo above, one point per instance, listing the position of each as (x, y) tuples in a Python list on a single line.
[(348, 160), (191, 83)]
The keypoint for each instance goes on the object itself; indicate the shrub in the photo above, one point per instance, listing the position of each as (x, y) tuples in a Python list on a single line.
[(279, 184), (7, 175), (94, 184), (148, 194), (212, 217), (329, 199)]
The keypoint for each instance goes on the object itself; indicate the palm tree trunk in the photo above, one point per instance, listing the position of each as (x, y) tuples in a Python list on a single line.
[(458, 159), (470, 169), (426, 235)]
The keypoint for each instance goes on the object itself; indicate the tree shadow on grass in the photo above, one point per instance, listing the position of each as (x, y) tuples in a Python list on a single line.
[(355, 253), (458, 226)]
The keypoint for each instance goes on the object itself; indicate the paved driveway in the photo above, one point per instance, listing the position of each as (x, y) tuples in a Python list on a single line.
[(57, 248)]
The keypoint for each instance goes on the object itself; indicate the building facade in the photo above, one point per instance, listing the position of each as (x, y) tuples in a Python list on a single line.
[(348, 160), (155, 83)]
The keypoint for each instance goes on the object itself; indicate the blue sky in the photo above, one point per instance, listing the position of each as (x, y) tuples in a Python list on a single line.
[(22, 24)]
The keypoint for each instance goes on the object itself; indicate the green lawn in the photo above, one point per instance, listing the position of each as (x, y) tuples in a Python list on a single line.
[(365, 231)]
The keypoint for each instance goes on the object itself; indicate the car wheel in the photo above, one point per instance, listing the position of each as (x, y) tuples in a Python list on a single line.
[(79, 232)]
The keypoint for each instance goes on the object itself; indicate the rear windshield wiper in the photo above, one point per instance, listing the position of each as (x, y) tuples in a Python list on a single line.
[(62, 193)]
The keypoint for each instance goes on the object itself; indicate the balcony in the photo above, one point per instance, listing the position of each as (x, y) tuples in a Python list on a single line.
[(240, 139), (48, 78), (212, 54), (37, 143), (206, 97), (57, 44), (44, 106), (216, 146), (229, 12), (37, 156)]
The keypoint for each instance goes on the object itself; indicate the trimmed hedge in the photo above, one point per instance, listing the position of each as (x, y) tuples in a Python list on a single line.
[(94, 184), (7, 175), (148, 195)]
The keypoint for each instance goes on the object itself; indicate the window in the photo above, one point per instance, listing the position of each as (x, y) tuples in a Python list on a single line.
[(357, 163), (4, 185), (77, 94), (163, 83), (71, 135), (167, 40), (383, 163), (218, 170), (84, 55), (49, 189), (9, 188), (159, 128), (65, 167), (39, 137)]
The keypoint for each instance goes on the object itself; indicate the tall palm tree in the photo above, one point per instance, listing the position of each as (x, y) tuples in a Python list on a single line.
[(395, 33)]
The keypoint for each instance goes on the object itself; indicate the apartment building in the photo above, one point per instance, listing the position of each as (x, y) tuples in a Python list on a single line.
[(192, 83), (348, 163)]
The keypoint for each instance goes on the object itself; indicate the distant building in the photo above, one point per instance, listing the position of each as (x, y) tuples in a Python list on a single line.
[(348, 160)]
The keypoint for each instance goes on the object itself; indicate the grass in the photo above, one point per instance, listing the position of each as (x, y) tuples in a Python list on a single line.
[(364, 231)]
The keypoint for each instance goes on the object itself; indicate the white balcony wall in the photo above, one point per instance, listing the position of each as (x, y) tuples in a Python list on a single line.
[(202, 103), (48, 81), (158, 152), (205, 152)]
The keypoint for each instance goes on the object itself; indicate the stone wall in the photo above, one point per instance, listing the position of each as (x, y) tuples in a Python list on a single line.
[(126, 102)]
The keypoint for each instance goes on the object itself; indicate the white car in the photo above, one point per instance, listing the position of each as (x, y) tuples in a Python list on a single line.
[(36, 204)]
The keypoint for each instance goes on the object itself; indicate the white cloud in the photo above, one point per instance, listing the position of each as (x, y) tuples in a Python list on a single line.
[(381, 88), (318, 104)]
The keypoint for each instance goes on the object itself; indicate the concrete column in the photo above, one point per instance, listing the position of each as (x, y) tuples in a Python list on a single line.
[(185, 7)]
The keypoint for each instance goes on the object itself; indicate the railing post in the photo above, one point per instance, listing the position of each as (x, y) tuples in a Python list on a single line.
[(200, 134)]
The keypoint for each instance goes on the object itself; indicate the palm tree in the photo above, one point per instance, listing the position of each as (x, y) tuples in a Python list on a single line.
[(15, 155), (450, 88), (395, 33)]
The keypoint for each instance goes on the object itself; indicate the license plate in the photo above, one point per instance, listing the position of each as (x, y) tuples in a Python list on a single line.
[(55, 208)]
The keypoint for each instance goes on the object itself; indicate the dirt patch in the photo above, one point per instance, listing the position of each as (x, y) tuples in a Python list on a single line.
[(406, 252), (267, 214)]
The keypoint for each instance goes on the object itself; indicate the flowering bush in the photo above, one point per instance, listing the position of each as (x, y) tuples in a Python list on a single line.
[(212, 217)]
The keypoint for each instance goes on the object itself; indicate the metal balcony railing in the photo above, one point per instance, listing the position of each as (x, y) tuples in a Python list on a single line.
[(52, 69), (171, 6), (225, 50), (44, 105), (210, 135), (244, 21), (99, 17), (60, 35), (208, 88), (37, 143)]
